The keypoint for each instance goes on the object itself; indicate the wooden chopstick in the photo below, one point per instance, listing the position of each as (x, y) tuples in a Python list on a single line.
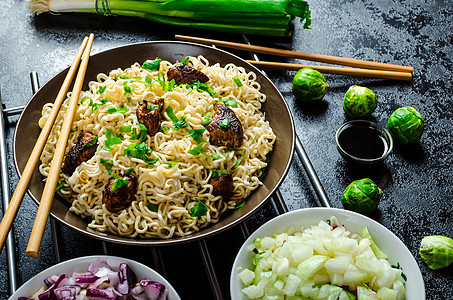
[(48, 193), (404, 76), (357, 63), (24, 181)]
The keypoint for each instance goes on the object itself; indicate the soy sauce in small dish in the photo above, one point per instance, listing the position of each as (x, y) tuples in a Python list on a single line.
[(363, 142)]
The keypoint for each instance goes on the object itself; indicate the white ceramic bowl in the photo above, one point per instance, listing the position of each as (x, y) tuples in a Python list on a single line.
[(384, 238), (81, 264)]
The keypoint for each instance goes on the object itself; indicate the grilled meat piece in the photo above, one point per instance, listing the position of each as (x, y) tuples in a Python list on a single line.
[(183, 74), (82, 151), (120, 198), (225, 128), (222, 185), (150, 117)]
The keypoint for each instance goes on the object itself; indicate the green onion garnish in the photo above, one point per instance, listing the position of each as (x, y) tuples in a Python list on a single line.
[(152, 106), (101, 90), (198, 210), (177, 124), (207, 118), (153, 207), (140, 151), (197, 150), (60, 185), (92, 143), (197, 135), (225, 122), (216, 173), (172, 163), (122, 109), (185, 60), (240, 204), (112, 139), (119, 182), (108, 164), (237, 81), (126, 129), (127, 89), (152, 65), (229, 102)]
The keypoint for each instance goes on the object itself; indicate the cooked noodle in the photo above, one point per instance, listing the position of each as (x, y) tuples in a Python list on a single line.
[(178, 181)]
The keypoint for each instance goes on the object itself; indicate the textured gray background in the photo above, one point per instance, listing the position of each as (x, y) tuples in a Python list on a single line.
[(417, 180)]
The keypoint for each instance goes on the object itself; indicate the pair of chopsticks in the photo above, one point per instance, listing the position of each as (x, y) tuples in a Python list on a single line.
[(48, 194), (361, 68)]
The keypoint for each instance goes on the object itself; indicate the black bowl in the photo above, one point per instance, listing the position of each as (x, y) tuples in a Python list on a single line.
[(275, 108)]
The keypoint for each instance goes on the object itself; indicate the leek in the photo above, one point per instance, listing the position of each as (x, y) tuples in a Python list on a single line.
[(263, 17)]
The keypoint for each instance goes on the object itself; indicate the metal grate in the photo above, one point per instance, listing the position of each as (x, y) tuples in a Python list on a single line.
[(277, 198)]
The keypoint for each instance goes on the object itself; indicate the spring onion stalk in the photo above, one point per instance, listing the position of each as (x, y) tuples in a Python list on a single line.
[(263, 17)]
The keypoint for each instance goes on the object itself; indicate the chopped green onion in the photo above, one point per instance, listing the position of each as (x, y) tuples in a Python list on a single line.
[(126, 129), (60, 185), (149, 82), (84, 99), (202, 87), (177, 124), (127, 89), (171, 114), (207, 118), (166, 85), (225, 122), (199, 210), (153, 207), (129, 171), (240, 204), (108, 164), (92, 143), (216, 173), (101, 90), (197, 135), (197, 150), (112, 139), (73, 130), (164, 130), (185, 60), (152, 65), (229, 102), (119, 182), (152, 106), (238, 162), (216, 156), (172, 163), (141, 136), (237, 81), (122, 109), (254, 139), (139, 151)]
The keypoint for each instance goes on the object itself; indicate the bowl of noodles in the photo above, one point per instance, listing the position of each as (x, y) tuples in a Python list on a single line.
[(174, 168)]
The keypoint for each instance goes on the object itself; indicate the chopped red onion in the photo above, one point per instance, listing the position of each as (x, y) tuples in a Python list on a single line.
[(109, 285)]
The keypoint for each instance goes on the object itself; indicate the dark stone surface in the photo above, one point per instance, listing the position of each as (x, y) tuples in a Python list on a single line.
[(417, 180)]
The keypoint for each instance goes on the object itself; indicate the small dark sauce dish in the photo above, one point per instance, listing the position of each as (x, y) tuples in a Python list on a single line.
[(363, 142)]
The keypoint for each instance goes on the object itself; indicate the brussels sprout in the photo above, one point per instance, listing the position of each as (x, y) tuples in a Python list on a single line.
[(361, 196), (406, 125), (359, 102), (309, 85), (437, 251)]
